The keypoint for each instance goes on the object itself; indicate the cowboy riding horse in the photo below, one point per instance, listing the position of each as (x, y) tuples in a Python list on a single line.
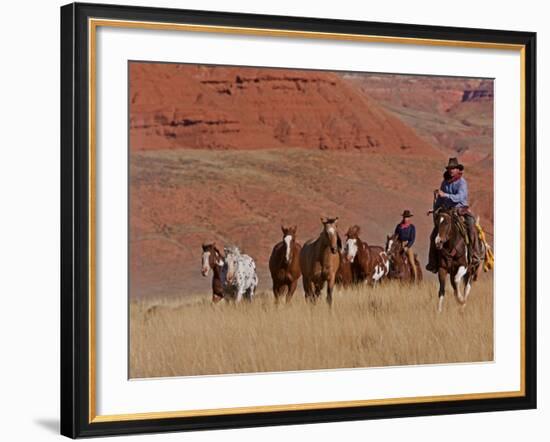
[(456, 248), (452, 197)]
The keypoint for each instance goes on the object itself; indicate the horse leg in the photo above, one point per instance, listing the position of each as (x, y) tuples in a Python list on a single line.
[(249, 293), (330, 287), (458, 279), (418, 271), (468, 286), (452, 276), (240, 293), (291, 289), (442, 276), (318, 286), (478, 270), (277, 291), (306, 285), (309, 289)]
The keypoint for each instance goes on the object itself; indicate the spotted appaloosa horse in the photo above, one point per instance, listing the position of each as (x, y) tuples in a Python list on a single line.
[(212, 259), (452, 258), (320, 260), (284, 264), (240, 278), (368, 263), (400, 267)]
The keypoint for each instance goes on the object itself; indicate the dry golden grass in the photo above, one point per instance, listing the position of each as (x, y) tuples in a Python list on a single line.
[(391, 325)]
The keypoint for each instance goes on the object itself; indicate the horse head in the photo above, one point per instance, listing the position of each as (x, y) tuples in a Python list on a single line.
[(289, 238), (393, 246), (444, 225), (352, 243), (330, 230), (394, 250), (211, 257)]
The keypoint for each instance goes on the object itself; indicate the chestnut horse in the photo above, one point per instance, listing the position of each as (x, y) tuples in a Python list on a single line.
[(320, 260), (284, 264), (212, 259), (452, 258), (400, 267)]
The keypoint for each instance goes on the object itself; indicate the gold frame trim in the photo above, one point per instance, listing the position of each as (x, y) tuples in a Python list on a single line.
[(93, 24)]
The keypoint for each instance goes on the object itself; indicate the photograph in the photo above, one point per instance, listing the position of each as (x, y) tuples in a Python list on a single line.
[(286, 219)]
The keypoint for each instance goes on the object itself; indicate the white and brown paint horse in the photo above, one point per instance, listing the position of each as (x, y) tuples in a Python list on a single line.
[(284, 264), (241, 279), (212, 260), (380, 264), (320, 260), (368, 263), (452, 259)]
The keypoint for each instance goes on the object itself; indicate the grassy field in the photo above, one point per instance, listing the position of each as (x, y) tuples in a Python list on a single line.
[(391, 325)]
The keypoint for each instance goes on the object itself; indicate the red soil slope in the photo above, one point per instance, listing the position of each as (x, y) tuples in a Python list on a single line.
[(179, 106)]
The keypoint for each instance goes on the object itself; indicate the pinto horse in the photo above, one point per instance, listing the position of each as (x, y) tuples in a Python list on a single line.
[(212, 259), (452, 258), (357, 254), (320, 260), (380, 264), (400, 267), (368, 263), (284, 264)]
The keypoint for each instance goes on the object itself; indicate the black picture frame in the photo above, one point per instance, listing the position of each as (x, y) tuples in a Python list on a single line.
[(75, 221)]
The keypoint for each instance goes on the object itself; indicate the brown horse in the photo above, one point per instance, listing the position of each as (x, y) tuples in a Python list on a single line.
[(212, 259), (367, 262), (284, 264), (400, 267), (452, 258), (320, 260)]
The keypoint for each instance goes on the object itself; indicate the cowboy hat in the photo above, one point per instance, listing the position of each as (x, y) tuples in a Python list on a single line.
[(406, 214), (454, 164)]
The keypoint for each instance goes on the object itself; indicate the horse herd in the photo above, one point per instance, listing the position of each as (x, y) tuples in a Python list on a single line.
[(325, 260)]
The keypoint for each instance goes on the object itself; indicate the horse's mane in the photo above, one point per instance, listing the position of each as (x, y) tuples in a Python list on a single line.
[(231, 250)]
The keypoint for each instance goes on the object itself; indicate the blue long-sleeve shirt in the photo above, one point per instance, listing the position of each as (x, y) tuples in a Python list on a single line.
[(457, 194), (407, 233)]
